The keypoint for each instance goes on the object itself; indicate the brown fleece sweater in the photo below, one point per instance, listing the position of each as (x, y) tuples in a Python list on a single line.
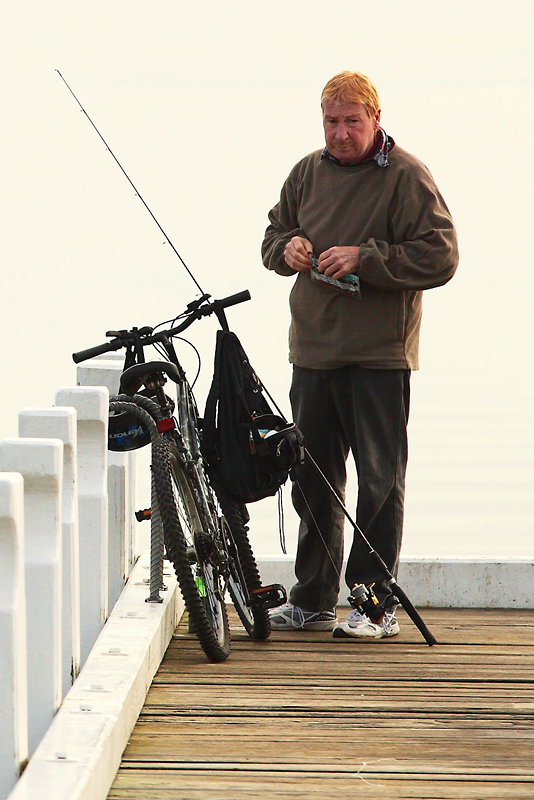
[(398, 218)]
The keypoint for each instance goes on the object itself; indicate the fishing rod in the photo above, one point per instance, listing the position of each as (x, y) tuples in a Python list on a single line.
[(138, 194)]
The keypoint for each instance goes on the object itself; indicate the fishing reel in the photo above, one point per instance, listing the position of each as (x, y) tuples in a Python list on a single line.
[(364, 599)]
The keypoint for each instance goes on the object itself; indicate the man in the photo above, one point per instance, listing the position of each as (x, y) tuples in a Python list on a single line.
[(362, 207)]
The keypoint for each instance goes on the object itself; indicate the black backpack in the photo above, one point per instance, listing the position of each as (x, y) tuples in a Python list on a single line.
[(250, 448)]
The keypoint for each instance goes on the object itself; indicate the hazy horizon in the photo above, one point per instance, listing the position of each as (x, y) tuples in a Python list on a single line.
[(208, 107)]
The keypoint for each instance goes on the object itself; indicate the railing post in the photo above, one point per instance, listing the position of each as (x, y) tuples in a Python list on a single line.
[(91, 405), (13, 673), (120, 513), (40, 461), (60, 423), (121, 482)]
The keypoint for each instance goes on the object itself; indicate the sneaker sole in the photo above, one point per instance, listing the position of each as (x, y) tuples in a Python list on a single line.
[(342, 633), (326, 625)]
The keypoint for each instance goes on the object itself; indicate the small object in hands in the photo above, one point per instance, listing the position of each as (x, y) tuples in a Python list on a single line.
[(349, 283)]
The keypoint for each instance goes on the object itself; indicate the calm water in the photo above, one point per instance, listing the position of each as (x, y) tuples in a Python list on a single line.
[(470, 487)]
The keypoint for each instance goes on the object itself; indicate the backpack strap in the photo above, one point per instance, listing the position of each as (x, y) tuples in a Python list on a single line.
[(209, 428)]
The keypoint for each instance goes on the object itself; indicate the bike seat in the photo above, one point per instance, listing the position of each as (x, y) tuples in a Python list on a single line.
[(134, 377)]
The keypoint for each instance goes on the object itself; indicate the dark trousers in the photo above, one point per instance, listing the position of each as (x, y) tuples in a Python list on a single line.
[(365, 411)]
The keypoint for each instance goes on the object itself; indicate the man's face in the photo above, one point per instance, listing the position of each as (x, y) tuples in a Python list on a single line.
[(349, 131)]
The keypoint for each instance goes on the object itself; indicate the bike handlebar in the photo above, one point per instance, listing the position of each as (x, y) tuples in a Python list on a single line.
[(197, 313), (210, 308), (233, 299), (98, 350)]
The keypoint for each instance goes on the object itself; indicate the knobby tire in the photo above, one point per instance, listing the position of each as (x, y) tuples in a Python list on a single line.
[(184, 526), (255, 618)]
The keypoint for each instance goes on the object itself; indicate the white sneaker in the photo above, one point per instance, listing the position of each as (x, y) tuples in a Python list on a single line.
[(292, 618), (359, 626)]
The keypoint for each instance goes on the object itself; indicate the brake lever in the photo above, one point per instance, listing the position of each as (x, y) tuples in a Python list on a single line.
[(195, 304)]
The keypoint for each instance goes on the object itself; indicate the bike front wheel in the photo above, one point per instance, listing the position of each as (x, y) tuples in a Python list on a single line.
[(197, 557)]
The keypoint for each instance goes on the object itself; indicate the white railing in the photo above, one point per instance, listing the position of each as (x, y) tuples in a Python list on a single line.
[(67, 548)]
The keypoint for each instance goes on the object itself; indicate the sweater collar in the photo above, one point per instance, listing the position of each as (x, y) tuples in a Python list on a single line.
[(384, 146)]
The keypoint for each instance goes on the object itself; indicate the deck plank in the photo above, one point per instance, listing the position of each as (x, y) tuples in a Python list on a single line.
[(308, 716)]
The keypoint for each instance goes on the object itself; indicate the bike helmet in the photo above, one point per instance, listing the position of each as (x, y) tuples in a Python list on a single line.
[(126, 432)]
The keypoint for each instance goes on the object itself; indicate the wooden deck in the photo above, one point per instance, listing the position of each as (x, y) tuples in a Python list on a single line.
[(308, 716)]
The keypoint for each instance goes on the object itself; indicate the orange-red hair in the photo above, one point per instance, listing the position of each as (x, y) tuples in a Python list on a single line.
[(347, 88)]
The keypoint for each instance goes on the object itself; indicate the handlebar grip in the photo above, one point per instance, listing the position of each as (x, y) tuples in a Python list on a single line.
[(234, 299), (99, 349)]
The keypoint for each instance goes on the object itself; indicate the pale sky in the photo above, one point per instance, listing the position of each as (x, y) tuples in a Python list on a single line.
[(208, 106)]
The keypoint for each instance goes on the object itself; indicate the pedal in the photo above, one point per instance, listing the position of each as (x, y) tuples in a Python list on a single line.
[(269, 596), (143, 515)]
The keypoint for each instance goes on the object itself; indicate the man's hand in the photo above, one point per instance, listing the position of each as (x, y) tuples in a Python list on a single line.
[(297, 254), (339, 261)]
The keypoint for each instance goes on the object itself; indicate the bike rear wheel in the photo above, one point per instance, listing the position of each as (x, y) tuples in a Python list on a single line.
[(198, 557), (244, 576)]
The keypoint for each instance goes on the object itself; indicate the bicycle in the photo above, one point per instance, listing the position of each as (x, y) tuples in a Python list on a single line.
[(204, 528)]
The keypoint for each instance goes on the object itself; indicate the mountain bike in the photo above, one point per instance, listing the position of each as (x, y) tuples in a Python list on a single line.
[(204, 528)]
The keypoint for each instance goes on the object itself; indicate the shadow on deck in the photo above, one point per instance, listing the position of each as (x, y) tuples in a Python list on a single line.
[(304, 715)]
